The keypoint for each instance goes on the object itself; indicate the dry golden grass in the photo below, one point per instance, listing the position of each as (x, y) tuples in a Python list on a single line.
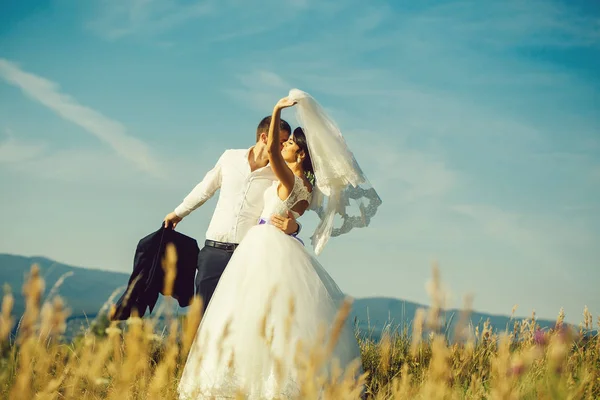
[(129, 361)]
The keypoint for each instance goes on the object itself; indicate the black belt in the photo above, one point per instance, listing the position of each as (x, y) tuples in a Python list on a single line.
[(221, 245)]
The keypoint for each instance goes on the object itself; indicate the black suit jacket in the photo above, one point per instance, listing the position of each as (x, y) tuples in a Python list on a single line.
[(147, 269)]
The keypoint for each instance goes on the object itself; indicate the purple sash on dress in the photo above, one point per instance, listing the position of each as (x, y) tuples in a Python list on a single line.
[(261, 221)]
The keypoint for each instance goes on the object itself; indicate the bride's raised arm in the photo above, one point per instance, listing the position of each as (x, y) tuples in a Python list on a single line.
[(278, 164)]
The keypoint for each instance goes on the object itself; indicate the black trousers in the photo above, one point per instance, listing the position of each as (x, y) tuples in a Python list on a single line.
[(211, 264)]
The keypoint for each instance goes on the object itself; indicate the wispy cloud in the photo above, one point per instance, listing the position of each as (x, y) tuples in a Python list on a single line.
[(117, 19), (405, 175), (242, 33), (13, 150), (453, 43), (432, 73), (513, 22), (258, 89), (78, 166), (147, 18), (105, 129), (544, 235)]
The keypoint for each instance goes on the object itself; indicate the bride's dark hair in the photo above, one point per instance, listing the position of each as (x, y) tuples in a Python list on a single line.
[(300, 140)]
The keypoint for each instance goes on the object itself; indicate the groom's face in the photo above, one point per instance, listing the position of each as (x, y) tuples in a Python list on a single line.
[(283, 137)]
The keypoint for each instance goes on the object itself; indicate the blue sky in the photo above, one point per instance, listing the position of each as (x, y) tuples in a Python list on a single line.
[(477, 122)]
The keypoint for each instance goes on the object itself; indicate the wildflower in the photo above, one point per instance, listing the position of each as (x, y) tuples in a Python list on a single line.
[(518, 367), (540, 338)]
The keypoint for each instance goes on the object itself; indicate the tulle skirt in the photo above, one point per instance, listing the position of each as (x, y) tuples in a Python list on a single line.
[(271, 316)]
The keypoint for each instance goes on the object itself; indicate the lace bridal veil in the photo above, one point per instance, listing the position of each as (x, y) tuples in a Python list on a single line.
[(341, 187)]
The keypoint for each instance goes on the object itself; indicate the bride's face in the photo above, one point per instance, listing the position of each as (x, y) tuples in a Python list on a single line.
[(290, 150)]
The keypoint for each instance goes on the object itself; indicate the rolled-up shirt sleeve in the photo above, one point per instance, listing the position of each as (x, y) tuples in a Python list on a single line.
[(203, 191)]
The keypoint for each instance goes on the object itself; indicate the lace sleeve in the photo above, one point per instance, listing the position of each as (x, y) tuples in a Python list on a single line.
[(299, 193)]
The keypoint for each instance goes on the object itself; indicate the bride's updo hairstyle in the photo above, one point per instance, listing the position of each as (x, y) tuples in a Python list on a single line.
[(300, 140)]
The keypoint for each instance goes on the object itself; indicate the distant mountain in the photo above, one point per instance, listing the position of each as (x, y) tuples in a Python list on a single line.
[(86, 290), (373, 314)]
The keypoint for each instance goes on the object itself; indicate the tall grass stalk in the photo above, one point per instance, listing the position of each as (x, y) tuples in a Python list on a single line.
[(129, 360)]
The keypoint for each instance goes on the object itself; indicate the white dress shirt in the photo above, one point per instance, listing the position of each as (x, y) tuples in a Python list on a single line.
[(241, 199)]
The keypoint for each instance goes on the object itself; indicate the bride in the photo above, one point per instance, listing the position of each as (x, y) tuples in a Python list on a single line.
[(275, 304)]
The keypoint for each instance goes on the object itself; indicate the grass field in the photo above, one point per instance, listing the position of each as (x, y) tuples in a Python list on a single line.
[(130, 361)]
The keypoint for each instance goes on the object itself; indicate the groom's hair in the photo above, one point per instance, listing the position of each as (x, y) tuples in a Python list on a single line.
[(264, 124)]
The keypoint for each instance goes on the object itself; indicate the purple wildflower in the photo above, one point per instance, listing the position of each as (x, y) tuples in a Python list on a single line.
[(540, 338)]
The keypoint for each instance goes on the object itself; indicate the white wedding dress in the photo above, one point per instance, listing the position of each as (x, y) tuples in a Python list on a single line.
[(235, 346)]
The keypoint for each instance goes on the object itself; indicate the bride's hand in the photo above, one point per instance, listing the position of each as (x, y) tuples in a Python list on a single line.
[(284, 103)]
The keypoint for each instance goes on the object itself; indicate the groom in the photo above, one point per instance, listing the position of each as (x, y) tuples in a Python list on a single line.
[(243, 176)]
